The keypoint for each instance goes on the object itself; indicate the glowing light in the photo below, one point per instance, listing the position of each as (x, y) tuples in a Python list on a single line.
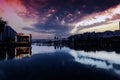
[(111, 26), (97, 18), (13, 12)]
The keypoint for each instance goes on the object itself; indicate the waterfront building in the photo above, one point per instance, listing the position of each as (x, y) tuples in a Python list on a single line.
[(8, 33), (23, 38)]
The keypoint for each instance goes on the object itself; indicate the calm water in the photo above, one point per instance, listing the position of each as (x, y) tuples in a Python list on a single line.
[(60, 63)]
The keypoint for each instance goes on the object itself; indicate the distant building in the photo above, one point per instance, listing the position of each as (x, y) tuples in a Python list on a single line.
[(22, 38), (8, 33)]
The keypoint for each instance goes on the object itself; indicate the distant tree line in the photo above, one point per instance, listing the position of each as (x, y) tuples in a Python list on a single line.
[(2, 24), (101, 39), (95, 35)]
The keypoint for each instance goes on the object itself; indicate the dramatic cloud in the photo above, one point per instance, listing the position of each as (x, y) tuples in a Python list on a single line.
[(99, 18), (62, 17)]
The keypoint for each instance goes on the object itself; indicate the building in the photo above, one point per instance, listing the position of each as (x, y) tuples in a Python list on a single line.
[(22, 38), (8, 33)]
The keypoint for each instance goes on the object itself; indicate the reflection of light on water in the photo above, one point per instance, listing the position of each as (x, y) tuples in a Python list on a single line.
[(42, 49), (109, 61), (110, 57), (47, 49), (96, 63), (22, 56), (98, 59)]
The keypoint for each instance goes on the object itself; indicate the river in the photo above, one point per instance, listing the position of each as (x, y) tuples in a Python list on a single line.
[(48, 62)]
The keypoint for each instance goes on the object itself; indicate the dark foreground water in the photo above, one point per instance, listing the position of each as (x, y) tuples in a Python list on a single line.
[(48, 63)]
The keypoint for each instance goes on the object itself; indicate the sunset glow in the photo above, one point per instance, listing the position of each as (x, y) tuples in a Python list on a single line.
[(98, 19), (45, 18)]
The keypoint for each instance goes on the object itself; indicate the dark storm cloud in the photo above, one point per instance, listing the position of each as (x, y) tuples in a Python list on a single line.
[(87, 6), (55, 15), (50, 29)]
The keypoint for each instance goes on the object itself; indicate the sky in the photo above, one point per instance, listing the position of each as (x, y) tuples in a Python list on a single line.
[(49, 18)]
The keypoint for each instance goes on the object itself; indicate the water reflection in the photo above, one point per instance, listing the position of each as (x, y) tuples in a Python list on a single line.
[(106, 59), (2, 53), (61, 63), (55, 45), (14, 52), (38, 48), (22, 51), (109, 61)]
